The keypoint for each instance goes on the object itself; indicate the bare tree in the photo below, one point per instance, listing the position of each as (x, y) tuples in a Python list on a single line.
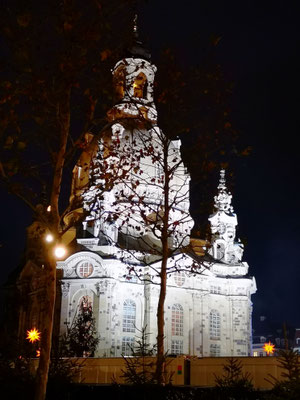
[(145, 208), (54, 83)]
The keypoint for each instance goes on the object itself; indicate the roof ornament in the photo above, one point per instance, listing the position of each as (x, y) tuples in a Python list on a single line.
[(137, 49), (223, 198), (135, 27)]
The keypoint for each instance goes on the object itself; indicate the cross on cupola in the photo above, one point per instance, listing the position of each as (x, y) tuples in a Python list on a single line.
[(223, 227)]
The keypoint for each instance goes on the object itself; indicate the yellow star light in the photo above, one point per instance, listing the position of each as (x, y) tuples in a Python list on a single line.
[(269, 348), (33, 335)]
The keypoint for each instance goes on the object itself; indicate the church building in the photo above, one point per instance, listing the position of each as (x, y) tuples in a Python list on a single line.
[(124, 183), (208, 311)]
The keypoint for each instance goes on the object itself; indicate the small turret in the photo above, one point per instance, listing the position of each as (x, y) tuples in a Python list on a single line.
[(223, 227)]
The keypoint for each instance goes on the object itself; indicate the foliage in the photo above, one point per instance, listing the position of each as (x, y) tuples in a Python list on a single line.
[(55, 76), (17, 370), (289, 386), (54, 69), (62, 372), (81, 339), (140, 366), (234, 384), (54, 93), (16, 378)]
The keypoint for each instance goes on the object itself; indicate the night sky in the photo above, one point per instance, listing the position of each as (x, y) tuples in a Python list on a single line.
[(258, 51)]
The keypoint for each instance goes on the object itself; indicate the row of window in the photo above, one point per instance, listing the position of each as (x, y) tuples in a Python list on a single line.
[(176, 347), (86, 269), (129, 326), (128, 346), (129, 318)]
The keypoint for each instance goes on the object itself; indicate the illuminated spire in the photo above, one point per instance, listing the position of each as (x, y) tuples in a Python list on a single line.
[(222, 181), (223, 198)]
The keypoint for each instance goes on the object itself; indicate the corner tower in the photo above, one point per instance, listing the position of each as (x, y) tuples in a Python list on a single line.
[(223, 227)]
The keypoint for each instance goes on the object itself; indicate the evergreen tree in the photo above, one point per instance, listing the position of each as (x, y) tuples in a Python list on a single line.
[(82, 337), (289, 386), (234, 384)]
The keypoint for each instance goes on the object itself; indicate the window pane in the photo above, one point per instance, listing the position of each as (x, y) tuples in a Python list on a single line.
[(179, 278), (85, 270), (215, 350), (215, 325), (177, 347), (177, 320), (127, 345), (129, 314)]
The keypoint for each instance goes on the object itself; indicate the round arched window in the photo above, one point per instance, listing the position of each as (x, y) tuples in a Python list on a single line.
[(85, 269), (179, 278)]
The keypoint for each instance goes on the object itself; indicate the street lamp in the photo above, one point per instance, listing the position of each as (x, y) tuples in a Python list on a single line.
[(49, 238), (60, 251)]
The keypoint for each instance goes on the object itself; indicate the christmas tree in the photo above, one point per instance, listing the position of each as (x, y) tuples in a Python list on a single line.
[(82, 339)]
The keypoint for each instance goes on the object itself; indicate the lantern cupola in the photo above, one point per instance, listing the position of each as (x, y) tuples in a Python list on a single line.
[(133, 79)]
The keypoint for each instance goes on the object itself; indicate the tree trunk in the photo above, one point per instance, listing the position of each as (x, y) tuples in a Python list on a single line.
[(160, 362), (63, 119), (46, 334)]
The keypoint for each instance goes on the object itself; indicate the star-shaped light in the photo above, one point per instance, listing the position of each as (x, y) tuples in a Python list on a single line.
[(269, 348), (33, 335)]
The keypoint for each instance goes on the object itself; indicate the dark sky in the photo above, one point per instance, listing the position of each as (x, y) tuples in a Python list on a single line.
[(259, 53)]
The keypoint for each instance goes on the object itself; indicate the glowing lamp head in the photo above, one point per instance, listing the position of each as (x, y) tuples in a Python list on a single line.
[(49, 208), (33, 335), (59, 251), (49, 238)]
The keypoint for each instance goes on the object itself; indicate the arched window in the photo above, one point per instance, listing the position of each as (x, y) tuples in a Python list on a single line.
[(215, 350), (177, 320), (215, 325), (129, 315), (140, 86)]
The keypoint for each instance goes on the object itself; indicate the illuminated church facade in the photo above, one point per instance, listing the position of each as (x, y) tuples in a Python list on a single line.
[(207, 313), (208, 309)]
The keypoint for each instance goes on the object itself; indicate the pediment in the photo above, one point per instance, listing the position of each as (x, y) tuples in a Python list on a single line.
[(84, 264)]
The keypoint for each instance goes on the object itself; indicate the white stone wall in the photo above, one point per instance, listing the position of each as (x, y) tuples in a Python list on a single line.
[(197, 295)]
